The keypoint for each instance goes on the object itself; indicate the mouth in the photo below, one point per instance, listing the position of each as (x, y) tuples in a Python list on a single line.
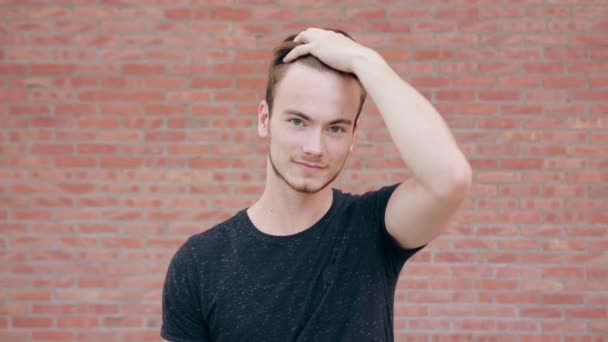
[(308, 166)]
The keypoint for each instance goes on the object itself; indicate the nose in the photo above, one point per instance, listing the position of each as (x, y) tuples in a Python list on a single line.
[(313, 145)]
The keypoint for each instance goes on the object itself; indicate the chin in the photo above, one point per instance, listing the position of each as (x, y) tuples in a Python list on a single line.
[(304, 185), (307, 188)]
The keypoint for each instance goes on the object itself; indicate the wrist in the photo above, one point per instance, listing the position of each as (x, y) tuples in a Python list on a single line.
[(366, 61)]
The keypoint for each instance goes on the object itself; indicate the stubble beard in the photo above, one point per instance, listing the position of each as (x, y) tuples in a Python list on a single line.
[(303, 188)]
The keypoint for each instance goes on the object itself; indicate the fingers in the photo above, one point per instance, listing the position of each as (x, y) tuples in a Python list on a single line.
[(307, 35), (299, 38), (305, 38), (297, 52)]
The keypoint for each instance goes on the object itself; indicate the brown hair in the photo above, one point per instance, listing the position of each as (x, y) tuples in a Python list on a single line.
[(278, 67)]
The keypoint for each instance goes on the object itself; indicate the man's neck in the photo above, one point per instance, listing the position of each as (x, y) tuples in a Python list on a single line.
[(282, 210)]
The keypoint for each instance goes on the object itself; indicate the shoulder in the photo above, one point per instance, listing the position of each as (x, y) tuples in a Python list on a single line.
[(380, 192), (210, 242), (364, 208), (373, 198)]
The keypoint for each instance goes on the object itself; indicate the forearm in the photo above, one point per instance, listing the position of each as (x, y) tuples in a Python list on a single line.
[(421, 136)]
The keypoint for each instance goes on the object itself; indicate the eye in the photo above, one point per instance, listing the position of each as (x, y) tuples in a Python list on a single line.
[(336, 129), (297, 122)]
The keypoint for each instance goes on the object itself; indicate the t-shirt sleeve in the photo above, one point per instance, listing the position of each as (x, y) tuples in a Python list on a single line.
[(183, 319), (395, 255)]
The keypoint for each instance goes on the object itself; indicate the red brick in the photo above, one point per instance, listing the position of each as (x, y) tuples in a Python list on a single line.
[(456, 95), (564, 82), (563, 326), (190, 96), (589, 95), (100, 123), (542, 68), (12, 69), (589, 39), (365, 14), (434, 26), (143, 335), (453, 337), (515, 81), (520, 244), (563, 272), (77, 242), (599, 327), (78, 322), (578, 313), (35, 296), (541, 338), (97, 335), (100, 96), (556, 38), (598, 81), (143, 69), (521, 86), (268, 13), (122, 243), (228, 13), (122, 322), (52, 335), (474, 324), (432, 54), (61, 69), (428, 324), (541, 312), (54, 309), (13, 95), (599, 218), (71, 109), (517, 272), (565, 53), (211, 82), (32, 322), (500, 39), (185, 13), (559, 298), (119, 162), (586, 150), (523, 25), (52, 149), (517, 325)]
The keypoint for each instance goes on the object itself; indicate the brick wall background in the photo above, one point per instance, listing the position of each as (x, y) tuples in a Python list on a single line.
[(129, 125)]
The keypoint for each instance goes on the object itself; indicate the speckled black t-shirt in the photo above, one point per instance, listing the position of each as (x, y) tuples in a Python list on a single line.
[(334, 281)]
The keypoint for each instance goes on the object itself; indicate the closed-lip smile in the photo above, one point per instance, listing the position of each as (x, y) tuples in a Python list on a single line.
[(312, 166)]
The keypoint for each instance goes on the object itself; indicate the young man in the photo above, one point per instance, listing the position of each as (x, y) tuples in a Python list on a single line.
[(307, 262)]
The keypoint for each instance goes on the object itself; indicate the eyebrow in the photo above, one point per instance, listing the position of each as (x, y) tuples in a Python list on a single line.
[(308, 118)]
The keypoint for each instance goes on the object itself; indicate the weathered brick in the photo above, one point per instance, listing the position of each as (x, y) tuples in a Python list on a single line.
[(125, 128)]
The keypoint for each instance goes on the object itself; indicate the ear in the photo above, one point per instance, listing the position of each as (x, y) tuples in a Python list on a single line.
[(263, 119)]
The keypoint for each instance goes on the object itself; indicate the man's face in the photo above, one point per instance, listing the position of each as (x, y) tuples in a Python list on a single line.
[(310, 131)]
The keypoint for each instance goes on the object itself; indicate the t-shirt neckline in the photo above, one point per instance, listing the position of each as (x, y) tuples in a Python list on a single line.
[(253, 230)]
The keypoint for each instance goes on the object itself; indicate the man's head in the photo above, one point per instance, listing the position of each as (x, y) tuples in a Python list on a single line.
[(314, 111), (278, 68)]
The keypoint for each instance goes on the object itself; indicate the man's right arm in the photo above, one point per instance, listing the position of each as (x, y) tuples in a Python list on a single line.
[(182, 316)]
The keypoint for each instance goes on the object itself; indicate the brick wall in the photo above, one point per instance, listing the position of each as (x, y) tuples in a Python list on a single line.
[(128, 125)]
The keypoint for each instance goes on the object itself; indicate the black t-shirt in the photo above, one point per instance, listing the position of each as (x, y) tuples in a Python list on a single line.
[(334, 281)]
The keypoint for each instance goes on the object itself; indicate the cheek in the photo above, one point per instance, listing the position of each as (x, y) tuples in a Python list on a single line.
[(295, 138), (285, 142), (339, 148)]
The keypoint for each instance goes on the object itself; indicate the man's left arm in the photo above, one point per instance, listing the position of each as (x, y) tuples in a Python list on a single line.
[(422, 206)]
